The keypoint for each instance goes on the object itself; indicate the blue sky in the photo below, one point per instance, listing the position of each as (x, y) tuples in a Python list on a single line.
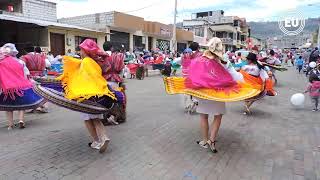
[(162, 10)]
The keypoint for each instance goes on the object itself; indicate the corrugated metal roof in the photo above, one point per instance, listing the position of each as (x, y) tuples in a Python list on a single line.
[(43, 23)]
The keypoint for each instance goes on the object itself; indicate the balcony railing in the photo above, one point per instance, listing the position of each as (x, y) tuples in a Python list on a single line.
[(227, 41), (11, 13)]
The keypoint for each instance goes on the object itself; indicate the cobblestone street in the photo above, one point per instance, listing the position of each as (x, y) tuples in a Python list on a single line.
[(158, 142)]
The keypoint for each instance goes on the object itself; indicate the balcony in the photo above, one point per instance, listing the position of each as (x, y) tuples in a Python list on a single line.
[(201, 40), (228, 41), (223, 28), (11, 13)]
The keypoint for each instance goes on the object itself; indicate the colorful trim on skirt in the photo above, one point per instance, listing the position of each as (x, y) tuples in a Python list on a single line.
[(176, 85), (29, 100), (94, 105), (50, 83)]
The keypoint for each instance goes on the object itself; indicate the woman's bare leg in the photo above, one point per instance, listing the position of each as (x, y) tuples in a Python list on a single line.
[(204, 125), (215, 127), (10, 118), (21, 119), (248, 104), (100, 129), (92, 130)]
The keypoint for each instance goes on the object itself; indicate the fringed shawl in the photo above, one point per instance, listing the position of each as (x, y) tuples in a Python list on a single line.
[(112, 67), (36, 63), (210, 74), (82, 79), (12, 79)]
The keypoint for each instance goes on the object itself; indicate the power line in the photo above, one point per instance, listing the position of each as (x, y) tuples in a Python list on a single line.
[(153, 4)]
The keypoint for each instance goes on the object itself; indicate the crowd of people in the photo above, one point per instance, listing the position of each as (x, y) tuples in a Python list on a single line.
[(209, 79), (210, 76)]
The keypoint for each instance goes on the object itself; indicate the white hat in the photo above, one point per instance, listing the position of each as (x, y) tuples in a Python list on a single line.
[(9, 49), (215, 46)]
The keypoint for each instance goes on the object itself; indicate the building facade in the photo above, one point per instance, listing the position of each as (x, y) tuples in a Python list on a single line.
[(232, 30), (34, 9), (30, 23), (289, 42), (133, 32)]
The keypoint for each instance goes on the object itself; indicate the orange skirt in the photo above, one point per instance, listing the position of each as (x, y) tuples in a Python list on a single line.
[(176, 85), (257, 82)]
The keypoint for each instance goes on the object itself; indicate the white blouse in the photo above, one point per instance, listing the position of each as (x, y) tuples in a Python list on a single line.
[(255, 71)]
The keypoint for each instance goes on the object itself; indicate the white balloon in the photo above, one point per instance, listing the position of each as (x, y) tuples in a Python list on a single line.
[(297, 99), (312, 64)]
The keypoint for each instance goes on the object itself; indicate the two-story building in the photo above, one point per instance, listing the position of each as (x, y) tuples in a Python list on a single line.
[(232, 30), (133, 32), (29, 23)]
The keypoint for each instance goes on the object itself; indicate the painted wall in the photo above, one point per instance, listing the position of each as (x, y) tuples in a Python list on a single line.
[(70, 36), (40, 10)]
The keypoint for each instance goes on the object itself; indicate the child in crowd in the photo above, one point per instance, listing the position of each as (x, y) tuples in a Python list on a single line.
[(299, 63), (314, 91)]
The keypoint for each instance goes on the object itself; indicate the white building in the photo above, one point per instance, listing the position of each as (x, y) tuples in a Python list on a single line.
[(33, 9), (29, 23), (232, 30)]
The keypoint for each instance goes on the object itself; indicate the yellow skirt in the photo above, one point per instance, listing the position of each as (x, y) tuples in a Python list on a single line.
[(176, 85)]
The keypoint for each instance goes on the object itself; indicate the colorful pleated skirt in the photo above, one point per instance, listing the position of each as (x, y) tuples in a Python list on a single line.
[(176, 85), (29, 100)]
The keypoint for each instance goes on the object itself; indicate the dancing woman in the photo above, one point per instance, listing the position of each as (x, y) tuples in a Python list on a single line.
[(83, 80), (213, 81), (37, 63), (211, 71), (255, 74), (112, 66), (16, 90)]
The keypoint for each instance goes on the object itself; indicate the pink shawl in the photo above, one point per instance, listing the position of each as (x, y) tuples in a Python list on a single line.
[(186, 61), (206, 73), (12, 80)]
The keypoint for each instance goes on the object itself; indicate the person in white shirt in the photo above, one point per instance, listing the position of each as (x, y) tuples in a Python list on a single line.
[(255, 69)]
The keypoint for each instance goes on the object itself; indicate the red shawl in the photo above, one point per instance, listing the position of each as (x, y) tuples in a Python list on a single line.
[(12, 80), (36, 63), (112, 67)]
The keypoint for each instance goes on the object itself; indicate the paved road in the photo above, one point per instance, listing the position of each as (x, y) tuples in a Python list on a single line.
[(277, 142)]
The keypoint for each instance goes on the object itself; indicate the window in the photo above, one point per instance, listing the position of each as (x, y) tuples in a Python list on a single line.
[(236, 23), (79, 39), (97, 18), (199, 31), (219, 34), (10, 8)]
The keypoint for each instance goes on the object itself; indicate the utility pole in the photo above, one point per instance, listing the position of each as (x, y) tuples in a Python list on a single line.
[(319, 36), (174, 35)]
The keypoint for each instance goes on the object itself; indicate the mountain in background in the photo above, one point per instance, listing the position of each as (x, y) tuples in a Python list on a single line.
[(271, 29)]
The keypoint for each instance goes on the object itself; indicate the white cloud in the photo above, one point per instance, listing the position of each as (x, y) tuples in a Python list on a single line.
[(156, 10), (162, 10), (270, 10)]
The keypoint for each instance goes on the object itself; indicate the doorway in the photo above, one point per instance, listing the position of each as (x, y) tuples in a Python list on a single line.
[(57, 44)]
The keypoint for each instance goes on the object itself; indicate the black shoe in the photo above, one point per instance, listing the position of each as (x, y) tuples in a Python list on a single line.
[(212, 146)]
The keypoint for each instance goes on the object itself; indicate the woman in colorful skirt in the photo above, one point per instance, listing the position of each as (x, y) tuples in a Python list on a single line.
[(16, 89), (82, 81), (254, 74), (211, 71), (213, 81)]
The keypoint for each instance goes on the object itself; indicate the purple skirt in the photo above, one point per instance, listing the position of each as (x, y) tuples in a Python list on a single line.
[(29, 100)]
